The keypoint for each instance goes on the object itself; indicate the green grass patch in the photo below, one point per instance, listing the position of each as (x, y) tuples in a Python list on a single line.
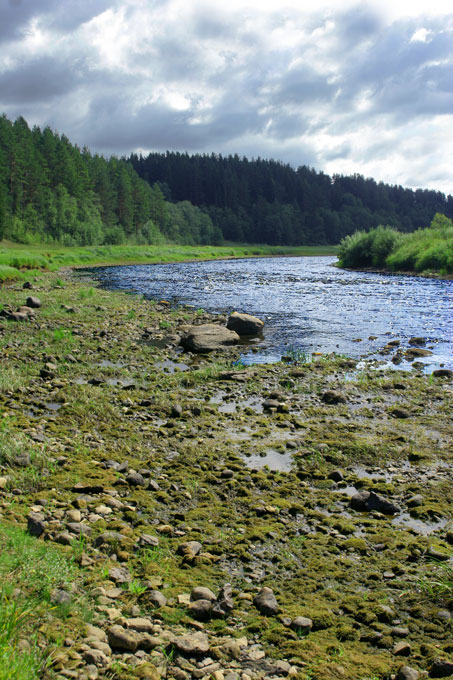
[(30, 571), (16, 258), (425, 250)]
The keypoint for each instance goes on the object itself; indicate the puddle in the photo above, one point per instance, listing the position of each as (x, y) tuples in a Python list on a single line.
[(169, 366), (362, 473), (105, 363), (418, 525), (230, 406), (346, 490), (273, 460)]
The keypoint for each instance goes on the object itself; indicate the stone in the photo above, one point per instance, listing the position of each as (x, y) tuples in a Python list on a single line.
[(148, 541), (120, 575), (202, 593), (122, 639), (244, 324), (201, 609), (301, 624), (266, 602), (140, 624), (366, 501), (336, 476), (208, 337), (333, 397), (135, 479), (109, 537), (33, 302), (156, 598), (22, 459), (407, 673), (95, 657), (402, 649), (79, 528), (36, 524), (441, 668), (224, 604), (196, 644), (60, 597), (443, 373), (189, 550)]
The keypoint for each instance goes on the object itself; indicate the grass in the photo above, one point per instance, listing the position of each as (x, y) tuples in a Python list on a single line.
[(438, 584), (425, 250), (30, 571), (19, 261)]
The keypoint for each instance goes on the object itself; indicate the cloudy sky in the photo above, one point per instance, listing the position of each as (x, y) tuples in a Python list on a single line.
[(342, 86)]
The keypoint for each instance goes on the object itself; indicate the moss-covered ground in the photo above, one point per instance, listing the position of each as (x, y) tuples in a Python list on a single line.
[(95, 380)]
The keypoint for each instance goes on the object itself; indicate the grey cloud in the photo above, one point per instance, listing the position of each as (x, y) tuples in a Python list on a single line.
[(37, 80), (16, 16)]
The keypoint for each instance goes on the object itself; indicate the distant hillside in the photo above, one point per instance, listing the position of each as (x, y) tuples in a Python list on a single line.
[(53, 192), (265, 201)]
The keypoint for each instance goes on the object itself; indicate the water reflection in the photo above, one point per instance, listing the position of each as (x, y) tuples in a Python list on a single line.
[(306, 303)]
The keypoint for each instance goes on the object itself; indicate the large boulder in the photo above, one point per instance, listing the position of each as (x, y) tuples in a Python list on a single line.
[(367, 501), (244, 324), (208, 337)]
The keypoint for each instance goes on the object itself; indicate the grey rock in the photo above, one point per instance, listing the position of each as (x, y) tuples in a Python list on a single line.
[(441, 668), (201, 609), (301, 624), (109, 537), (407, 673), (156, 598), (202, 593), (336, 476), (224, 604), (22, 459), (148, 541), (244, 324), (333, 397), (61, 597), (36, 524), (79, 528), (34, 302), (120, 575), (189, 550), (208, 337), (443, 373), (266, 602), (95, 657), (122, 639), (402, 649), (135, 479), (196, 644), (366, 501)]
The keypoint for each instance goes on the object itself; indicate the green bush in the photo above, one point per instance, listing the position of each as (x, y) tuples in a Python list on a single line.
[(429, 249)]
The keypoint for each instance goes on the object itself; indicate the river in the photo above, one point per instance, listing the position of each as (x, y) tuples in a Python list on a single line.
[(308, 305)]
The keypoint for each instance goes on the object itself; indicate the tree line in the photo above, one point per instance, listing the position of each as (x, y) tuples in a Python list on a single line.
[(51, 191), (266, 201)]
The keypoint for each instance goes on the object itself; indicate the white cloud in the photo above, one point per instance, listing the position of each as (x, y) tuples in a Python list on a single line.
[(342, 86)]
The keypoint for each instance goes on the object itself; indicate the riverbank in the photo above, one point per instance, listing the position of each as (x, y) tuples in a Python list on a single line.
[(19, 262), (146, 476)]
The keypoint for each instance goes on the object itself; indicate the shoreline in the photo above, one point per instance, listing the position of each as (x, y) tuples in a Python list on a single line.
[(151, 473)]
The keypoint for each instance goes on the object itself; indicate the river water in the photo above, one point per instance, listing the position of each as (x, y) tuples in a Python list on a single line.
[(308, 305)]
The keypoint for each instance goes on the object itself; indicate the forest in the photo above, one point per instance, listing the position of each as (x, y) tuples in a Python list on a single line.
[(51, 191), (266, 201)]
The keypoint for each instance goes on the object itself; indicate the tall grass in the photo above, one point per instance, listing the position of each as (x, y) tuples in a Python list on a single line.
[(424, 250), (15, 258)]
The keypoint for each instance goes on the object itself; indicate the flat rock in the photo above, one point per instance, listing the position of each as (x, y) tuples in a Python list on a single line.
[(33, 302), (197, 644), (333, 397), (407, 673), (244, 324), (208, 337)]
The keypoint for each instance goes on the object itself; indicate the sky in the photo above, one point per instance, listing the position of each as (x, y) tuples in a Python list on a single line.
[(344, 87)]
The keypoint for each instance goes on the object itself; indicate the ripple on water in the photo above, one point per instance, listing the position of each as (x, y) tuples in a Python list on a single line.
[(306, 303)]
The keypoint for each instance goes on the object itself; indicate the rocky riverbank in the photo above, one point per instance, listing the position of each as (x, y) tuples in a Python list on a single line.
[(286, 520)]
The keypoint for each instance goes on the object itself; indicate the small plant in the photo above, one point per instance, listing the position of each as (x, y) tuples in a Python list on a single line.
[(438, 586), (135, 587), (295, 355), (62, 334), (85, 293)]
